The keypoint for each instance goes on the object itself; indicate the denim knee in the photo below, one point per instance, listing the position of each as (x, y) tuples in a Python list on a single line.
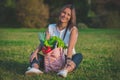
[(77, 58), (40, 60)]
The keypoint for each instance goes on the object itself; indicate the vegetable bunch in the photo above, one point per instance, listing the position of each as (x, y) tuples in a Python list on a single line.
[(53, 40), (50, 44)]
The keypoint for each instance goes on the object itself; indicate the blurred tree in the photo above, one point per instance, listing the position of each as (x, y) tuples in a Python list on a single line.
[(32, 13), (80, 5), (8, 12), (36, 13), (107, 13), (10, 3), (113, 14)]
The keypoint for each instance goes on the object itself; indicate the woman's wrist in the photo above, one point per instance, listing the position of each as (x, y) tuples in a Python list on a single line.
[(68, 58)]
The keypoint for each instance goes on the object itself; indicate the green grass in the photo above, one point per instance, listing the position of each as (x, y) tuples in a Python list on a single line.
[(100, 49)]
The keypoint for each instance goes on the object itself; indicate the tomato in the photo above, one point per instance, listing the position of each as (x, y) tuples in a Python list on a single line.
[(46, 49)]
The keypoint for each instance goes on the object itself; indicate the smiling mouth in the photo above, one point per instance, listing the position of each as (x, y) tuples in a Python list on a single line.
[(63, 18)]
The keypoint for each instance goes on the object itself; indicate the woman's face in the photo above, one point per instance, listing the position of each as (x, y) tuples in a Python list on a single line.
[(65, 15)]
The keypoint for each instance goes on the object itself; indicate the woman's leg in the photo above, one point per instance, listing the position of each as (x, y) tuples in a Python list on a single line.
[(35, 64), (74, 63), (77, 58), (38, 63), (71, 65)]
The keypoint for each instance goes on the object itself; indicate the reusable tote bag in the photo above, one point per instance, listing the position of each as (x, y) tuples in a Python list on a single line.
[(54, 60)]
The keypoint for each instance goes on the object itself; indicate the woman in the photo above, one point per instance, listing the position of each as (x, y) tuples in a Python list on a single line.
[(67, 30)]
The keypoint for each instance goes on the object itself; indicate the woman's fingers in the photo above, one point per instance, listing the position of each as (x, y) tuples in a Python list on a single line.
[(33, 56)]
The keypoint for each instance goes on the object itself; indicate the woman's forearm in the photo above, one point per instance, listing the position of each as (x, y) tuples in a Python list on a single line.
[(37, 49), (69, 52), (72, 42)]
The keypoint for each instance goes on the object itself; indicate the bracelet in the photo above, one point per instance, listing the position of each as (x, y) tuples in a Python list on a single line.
[(69, 58)]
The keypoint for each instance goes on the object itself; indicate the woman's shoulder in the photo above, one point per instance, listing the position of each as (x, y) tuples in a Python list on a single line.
[(52, 25), (74, 28)]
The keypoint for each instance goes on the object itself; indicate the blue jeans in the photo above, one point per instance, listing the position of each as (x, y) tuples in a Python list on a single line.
[(40, 61), (76, 58)]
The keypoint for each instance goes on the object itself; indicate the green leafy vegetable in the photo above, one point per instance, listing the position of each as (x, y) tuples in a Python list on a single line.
[(52, 41), (41, 36)]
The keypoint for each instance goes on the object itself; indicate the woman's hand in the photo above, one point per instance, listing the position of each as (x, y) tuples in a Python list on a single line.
[(33, 55)]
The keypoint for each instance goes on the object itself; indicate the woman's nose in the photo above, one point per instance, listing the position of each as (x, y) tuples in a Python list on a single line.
[(65, 15)]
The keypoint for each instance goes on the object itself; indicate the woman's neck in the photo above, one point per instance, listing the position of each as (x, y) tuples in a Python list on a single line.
[(62, 26)]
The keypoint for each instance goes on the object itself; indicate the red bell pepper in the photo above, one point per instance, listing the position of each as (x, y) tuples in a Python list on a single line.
[(46, 49)]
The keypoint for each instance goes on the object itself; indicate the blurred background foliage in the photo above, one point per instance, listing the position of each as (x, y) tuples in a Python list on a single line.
[(39, 13)]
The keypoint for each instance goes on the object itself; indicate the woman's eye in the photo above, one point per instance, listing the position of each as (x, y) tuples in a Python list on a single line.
[(66, 13), (63, 12)]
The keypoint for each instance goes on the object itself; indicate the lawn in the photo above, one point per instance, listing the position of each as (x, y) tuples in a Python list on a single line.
[(99, 47)]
